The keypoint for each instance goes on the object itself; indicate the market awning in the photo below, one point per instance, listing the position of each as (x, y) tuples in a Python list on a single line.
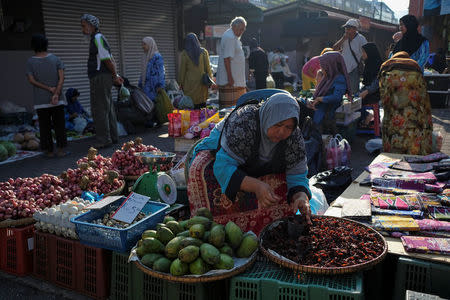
[(222, 13), (305, 27)]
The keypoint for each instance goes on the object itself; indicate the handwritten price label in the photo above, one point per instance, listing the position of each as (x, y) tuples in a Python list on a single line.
[(128, 211)]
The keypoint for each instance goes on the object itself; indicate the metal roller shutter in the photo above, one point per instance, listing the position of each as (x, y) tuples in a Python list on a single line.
[(140, 18), (63, 30)]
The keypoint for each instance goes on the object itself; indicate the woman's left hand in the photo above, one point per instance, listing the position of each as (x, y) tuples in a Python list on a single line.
[(301, 202)]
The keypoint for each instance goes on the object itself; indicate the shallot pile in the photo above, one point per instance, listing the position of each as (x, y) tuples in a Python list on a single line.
[(22, 197), (127, 163)]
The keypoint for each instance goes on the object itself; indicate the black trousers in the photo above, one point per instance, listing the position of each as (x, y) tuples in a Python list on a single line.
[(278, 77), (52, 117), (260, 81)]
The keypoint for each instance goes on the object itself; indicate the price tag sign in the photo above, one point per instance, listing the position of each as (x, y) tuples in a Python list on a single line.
[(130, 208), (105, 201)]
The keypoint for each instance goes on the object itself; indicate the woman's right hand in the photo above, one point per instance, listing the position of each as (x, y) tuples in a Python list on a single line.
[(265, 195)]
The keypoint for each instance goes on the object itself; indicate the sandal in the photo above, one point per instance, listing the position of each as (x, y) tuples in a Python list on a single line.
[(62, 153)]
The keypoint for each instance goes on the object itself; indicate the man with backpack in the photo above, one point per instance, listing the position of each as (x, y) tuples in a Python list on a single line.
[(102, 74)]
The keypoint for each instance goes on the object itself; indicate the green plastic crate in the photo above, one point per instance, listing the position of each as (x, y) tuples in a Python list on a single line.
[(421, 276), (149, 288), (121, 277), (269, 281)]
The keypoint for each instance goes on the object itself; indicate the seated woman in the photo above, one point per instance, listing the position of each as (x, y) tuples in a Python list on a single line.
[(329, 92), (370, 93), (252, 168), (407, 123)]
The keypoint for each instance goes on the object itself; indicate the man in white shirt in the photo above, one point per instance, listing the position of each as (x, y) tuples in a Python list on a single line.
[(350, 46), (231, 67)]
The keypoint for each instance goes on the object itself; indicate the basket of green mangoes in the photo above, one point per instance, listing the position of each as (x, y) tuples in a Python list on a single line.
[(195, 250)]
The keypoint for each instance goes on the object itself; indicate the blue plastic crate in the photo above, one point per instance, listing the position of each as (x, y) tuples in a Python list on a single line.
[(115, 239)]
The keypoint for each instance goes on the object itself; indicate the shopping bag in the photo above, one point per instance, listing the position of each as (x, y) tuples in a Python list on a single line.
[(345, 152), (163, 106), (333, 153)]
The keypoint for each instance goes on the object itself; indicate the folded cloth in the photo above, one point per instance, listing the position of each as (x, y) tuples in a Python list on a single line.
[(426, 244), (416, 214), (427, 158), (396, 202), (439, 212), (430, 225), (414, 167), (395, 223), (442, 166)]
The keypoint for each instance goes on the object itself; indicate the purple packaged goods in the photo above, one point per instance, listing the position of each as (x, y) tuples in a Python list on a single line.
[(427, 158), (426, 244)]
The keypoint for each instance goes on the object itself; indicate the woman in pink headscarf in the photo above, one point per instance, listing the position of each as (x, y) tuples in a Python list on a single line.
[(331, 89)]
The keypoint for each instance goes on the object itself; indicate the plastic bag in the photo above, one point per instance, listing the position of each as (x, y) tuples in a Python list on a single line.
[(176, 124), (374, 145), (333, 153), (318, 202), (79, 123), (185, 103), (437, 141), (124, 93), (270, 82), (345, 152), (163, 106), (140, 100), (185, 121)]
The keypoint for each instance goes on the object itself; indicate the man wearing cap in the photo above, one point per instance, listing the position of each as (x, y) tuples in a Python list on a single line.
[(350, 46), (102, 74)]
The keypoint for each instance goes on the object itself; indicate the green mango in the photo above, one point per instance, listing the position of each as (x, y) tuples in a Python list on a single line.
[(183, 224), (217, 236), (140, 251), (162, 265), (233, 234), (173, 247), (191, 241), (188, 254), (198, 267), (199, 220), (168, 219), (209, 254), (184, 233), (159, 225), (227, 250), (204, 212), (152, 245), (149, 233), (206, 236), (197, 231), (226, 262), (164, 234), (149, 259), (248, 246), (174, 226), (179, 268)]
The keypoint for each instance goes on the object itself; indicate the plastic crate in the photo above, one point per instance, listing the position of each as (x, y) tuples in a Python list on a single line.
[(421, 276), (121, 277), (115, 239), (93, 270), (17, 250), (150, 288), (64, 261), (411, 295), (42, 256), (269, 281)]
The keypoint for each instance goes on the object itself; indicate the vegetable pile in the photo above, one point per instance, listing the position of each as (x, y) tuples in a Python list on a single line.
[(128, 164), (194, 246)]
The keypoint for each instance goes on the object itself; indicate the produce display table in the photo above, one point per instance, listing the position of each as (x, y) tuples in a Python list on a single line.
[(395, 246)]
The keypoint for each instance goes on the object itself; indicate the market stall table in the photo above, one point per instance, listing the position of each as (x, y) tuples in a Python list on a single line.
[(355, 191)]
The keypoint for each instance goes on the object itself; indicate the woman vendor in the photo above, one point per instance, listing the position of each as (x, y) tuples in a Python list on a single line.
[(252, 168)]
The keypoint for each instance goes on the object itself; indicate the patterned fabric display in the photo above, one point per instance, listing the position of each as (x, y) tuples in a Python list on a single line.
[(426, 244), (413, 167), (428, 200), (416, 214), (395, 223), (439, 212), (405, 202), (427, 158), (431, 225), (445, 200)]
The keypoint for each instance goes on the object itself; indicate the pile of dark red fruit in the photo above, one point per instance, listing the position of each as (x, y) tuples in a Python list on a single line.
[(327, 243)]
